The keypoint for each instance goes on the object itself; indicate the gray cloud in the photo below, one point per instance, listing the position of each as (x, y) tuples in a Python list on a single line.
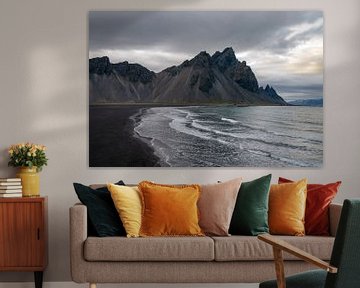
[(161, 39), (194, 31)]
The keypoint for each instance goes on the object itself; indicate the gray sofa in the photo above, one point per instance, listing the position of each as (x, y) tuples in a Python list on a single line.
[(234, 259)]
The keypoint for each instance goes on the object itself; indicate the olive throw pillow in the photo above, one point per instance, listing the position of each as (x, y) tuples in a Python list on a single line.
[(319, 197), (169, 210), (102, 214), (250, 215), (287, 204)]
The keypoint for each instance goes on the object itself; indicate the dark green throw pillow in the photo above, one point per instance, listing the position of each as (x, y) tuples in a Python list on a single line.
[(103, 218), (250, 216)]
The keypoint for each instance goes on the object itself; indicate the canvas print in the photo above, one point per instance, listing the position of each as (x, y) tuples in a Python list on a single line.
[(206, 89)]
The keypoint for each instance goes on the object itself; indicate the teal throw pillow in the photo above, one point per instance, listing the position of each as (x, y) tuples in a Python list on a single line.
[(250, 216)]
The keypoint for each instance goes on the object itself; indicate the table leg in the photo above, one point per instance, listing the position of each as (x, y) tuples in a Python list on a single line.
[(38, 279)]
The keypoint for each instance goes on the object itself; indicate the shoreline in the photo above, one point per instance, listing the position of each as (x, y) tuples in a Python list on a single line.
[(112, 142)]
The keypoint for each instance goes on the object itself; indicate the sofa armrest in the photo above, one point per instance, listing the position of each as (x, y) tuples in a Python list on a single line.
[(334, 217), (78, 235)]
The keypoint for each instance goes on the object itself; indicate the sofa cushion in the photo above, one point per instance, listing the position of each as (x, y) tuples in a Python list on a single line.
[(318, 199), (149, 249), (127, 201), (102, 216), (244, 248), (287, 204), (216, 206), (250, 216), (169, 210)]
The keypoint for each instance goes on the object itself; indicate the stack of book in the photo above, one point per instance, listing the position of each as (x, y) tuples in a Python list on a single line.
[(10, 187)]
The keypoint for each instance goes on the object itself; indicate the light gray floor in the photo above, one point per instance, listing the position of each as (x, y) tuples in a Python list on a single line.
[(74, 285)]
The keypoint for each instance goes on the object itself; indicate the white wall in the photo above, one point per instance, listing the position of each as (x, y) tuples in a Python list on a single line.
[(43, 88)]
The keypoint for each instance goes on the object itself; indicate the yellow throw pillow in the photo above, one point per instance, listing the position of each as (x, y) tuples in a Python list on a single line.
[(127, 201), (169, 210), (287, 204)]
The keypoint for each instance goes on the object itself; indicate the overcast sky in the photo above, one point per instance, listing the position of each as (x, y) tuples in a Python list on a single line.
[(284, 49)]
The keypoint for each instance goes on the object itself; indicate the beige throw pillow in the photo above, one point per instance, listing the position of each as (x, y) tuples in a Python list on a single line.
[(216, 206)]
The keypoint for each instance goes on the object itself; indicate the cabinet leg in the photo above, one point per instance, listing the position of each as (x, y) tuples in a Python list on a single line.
[(38, 279)]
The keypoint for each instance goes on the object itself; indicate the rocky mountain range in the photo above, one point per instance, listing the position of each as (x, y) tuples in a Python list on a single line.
[(204, 79)]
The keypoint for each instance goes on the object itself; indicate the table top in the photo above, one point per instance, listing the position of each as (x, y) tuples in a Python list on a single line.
[(23, 199)]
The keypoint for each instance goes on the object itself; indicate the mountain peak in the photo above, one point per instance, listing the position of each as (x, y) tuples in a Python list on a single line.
[(203, 59), (270, 93), (202, 54), (229, 51), (224, 59), (100, 65), (228, 64), (270, 90), (134, 72)]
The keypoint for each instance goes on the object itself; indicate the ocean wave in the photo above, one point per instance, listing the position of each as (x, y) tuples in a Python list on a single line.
[(201, 136), (238, 136), (279, 158), (179, 124), (229, 120)]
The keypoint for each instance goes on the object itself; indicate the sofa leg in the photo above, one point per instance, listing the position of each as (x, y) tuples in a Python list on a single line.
[(92, 285)]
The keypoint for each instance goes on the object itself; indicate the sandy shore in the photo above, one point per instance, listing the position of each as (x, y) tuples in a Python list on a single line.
[(111, 140)]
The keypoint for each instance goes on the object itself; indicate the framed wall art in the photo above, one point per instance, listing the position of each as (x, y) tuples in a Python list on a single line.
[(206, 89)]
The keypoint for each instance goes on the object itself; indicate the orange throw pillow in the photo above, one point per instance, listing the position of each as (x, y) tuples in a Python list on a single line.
[(169, 210), (319, 197), (287, 204)]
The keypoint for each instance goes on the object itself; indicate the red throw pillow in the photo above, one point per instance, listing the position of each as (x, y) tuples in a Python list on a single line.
[(319, 197)]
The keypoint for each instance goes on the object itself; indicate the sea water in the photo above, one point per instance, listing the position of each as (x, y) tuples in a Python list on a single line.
[(220, 136)]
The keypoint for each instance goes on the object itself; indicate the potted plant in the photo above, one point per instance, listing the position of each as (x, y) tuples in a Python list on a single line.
[(30, 158)]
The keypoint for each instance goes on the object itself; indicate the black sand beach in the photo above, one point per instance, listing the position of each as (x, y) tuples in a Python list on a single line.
[(111, 140)]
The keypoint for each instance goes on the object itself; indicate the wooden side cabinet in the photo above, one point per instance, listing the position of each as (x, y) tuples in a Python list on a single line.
[(23, 235)]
